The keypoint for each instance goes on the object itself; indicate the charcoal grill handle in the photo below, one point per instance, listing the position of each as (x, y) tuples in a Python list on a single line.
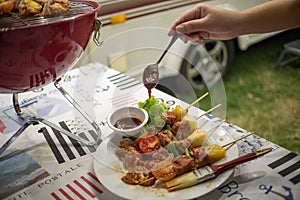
[(97, 29)]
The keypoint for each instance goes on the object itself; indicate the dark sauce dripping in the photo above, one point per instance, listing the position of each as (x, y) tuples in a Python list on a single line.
[(149, 87)]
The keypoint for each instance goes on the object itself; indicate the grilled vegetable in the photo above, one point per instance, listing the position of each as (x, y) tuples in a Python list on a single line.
[(148, 144), (215, 153), (154, 108), (197, 138), (155, 112), (171, 147), (179, 112), (150, 102), (29, 7), (191, 121), (187, 153)]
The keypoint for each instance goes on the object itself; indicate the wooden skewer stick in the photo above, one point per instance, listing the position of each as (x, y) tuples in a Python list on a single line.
[(199, 99), (230, 143), (217, 126), (217, 106)]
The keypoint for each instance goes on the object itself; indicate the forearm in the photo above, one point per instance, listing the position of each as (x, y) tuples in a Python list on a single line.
[(271, 16)]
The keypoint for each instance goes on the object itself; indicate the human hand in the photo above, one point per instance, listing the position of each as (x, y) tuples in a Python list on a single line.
[(207, 22)]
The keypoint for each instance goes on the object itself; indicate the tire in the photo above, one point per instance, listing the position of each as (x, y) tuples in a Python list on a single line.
[(222, 54)]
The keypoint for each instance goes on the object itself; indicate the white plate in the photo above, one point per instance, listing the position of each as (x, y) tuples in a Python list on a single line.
[(109, 171)]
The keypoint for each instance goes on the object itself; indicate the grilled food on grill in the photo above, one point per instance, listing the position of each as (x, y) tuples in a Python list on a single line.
[(6, 6), (35, 7)]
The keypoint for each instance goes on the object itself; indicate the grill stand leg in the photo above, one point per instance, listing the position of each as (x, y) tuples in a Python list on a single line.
[(74, 103), (21, 129), (32, 120)]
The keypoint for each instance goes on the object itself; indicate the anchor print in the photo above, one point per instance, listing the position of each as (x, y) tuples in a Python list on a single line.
[(289, 196)]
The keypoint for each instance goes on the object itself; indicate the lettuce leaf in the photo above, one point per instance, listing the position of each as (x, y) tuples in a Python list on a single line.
[(154, 109)]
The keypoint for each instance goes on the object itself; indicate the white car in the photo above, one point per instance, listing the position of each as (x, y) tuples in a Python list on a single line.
[(134, 34)]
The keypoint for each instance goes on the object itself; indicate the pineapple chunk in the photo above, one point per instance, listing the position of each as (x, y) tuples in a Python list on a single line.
[(215, 153), (191, 120), (197, 138), (179, 112)]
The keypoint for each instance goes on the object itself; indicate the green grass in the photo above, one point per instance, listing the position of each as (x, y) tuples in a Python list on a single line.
[(264, 100)]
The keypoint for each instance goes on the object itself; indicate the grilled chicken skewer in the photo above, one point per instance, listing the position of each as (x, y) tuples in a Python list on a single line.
[(208, 172)]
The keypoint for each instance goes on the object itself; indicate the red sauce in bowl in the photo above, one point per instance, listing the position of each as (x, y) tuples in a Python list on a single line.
[(128, 123)]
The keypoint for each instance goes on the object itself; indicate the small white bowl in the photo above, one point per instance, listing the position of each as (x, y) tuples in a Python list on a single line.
[(126, 112)]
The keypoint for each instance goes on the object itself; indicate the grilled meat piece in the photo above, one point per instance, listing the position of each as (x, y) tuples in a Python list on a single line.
[(164, 170), (183, 164), (124, 148), (56, 7), (47, 8), (162, 154), (129, 155), (149, 181), (144, 179), (181, 145), (132, 161), (169, 117), (200, 156), (6, 6), (165, 137), (168, 169), (182, 129)]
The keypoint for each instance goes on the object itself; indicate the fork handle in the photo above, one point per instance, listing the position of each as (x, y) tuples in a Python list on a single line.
[(173, 40)]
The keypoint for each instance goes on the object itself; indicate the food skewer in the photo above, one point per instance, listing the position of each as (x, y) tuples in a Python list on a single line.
[(217, 106), (182, 112), (204, 134), (235, 141), (186, 179), (200, 139), (208, 172), (197, 100), (196, 139), (215, 127)]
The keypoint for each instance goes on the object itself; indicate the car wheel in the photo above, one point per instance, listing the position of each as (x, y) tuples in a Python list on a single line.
[(222, 54)]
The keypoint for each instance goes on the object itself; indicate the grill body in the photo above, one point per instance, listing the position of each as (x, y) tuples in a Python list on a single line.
[(36, 51)]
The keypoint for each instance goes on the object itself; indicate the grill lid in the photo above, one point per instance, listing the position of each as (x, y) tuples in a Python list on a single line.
[(15, 21)]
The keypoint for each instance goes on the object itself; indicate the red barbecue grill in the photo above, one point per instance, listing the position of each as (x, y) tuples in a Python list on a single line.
[(36, 51)]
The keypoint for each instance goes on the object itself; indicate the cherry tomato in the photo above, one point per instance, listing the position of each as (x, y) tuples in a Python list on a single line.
[(136, 142), (148, 143)]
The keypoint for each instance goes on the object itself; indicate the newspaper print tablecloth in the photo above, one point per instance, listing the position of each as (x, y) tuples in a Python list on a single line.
[(45, 164)]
